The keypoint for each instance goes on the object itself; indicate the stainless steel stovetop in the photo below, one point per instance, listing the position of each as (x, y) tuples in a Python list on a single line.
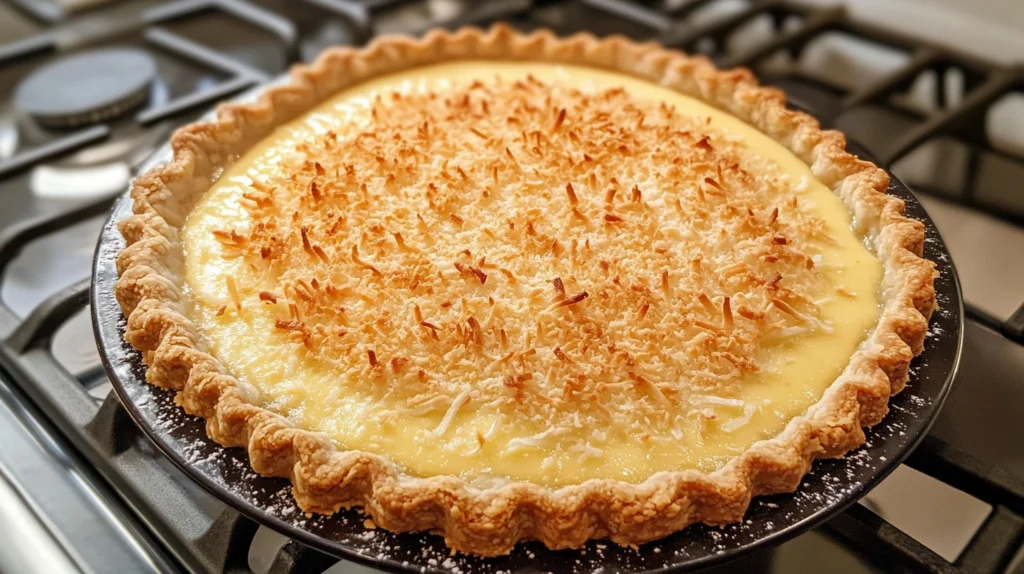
[(81, 489)]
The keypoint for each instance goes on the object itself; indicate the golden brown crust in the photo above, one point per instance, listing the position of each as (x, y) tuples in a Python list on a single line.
[(492, 521)]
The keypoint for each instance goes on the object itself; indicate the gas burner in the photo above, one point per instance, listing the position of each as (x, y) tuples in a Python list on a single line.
[(86, 88)]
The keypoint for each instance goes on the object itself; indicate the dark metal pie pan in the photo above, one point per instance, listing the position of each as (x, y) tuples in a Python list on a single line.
[(830, 487)]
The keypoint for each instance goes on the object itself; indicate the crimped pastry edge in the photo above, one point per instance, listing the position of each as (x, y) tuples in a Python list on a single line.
[(492, 521)]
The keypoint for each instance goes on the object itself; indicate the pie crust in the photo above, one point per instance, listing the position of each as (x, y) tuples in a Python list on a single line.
[(491, 521)]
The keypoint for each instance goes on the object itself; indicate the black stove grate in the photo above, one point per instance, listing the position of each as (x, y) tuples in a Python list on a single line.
[(175, 527)]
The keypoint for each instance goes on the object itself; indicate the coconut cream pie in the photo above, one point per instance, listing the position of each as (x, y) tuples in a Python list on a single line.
[(512, 287)]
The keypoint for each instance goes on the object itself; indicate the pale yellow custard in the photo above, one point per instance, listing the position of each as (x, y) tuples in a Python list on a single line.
[(540, 278)]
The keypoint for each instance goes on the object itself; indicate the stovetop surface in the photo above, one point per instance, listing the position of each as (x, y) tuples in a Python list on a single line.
[(914, 105)]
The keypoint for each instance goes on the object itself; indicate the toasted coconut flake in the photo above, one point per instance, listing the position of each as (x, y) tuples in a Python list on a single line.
[(788, 309), (577, 298), (476, 333), (559, 120), (705, 325), (400, 241), (319, 251), (233, 292), (268, 297), (579, 215), (363, 264), (706, 302), (562, 356), (453, 410), (650, 389), (223, 237), (480, 275), (573, 200), (559, 288), (713, 183), (399, 363), (736, 423), (727, 321), (304, 232)]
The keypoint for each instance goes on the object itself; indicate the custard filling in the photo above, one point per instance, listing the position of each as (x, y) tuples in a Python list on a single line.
[(529, 271)]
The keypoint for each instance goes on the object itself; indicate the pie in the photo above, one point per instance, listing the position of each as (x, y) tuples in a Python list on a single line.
[(509, 287)]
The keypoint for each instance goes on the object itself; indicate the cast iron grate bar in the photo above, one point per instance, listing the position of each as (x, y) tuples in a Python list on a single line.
[(681, 11), (898, 80), (482, 14), (48, 316), (70, 495), (1014, 326), (51, 149), (974, 105), (794, 40), (962, 471), (632, 12), (164, 38), (375, 5), (984, 317), (716, 31), (885, 545), (152, 494), (994, 545), (277, 25), (46, 12), (243, 76), (15, 236), (356, 14), (14, 51)]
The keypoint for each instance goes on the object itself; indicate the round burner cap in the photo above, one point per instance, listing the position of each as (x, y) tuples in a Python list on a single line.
[(86, 88)]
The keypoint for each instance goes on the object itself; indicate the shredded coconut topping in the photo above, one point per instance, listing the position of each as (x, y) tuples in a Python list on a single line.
[(575, 259)]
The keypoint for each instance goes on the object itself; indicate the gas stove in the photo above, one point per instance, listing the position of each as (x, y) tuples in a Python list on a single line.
[(89, 89)]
